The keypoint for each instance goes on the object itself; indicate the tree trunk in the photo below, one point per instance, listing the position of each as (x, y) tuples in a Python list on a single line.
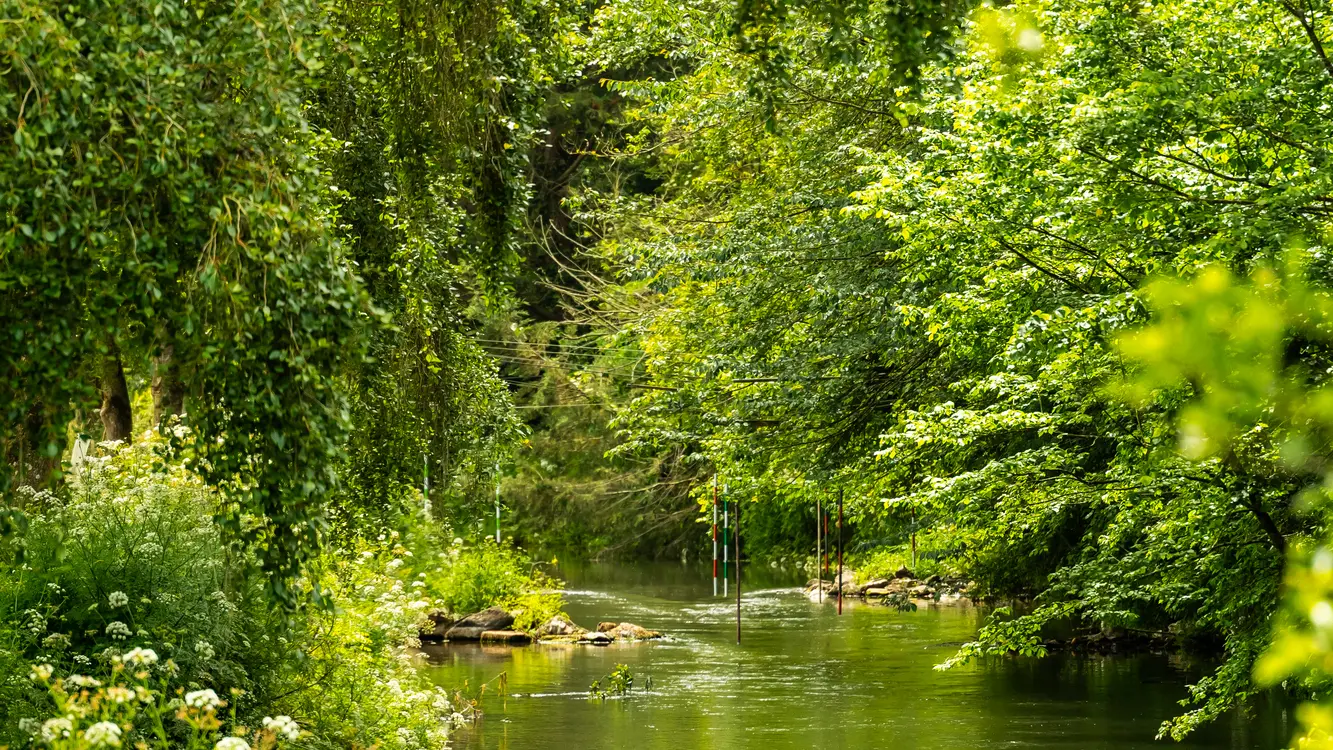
[(168, 390), (117, 419)]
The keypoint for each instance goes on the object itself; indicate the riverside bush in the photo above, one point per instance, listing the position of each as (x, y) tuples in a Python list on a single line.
[(125, 559), (884, 562), (128, 557), (473, 577)]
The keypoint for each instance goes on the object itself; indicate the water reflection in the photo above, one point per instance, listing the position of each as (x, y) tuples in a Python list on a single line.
[(805, 677)]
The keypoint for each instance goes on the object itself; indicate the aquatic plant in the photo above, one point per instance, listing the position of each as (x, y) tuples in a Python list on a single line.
[(620, 682)]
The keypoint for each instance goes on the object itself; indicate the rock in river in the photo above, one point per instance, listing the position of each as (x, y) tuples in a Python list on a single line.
[(511, 637), (596, 639), (437, 624), (630, 631), (560, 626), (878, 583), (471, 627)]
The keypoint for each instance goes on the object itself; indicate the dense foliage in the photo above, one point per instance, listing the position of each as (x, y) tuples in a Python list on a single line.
[(893, 251), (127, 560), (277, 215), (906, 283), (242, 243)]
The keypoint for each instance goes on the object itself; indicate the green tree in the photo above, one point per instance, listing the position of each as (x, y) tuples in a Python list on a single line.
[(911, 288), (161, 194)]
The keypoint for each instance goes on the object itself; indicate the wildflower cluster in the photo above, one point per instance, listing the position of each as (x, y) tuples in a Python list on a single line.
[(132, 708), (380, 606)]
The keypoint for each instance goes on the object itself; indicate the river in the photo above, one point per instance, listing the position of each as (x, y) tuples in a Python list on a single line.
[(805, 677)]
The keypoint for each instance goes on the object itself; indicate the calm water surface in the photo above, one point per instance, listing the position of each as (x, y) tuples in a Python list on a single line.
[(805, 677)]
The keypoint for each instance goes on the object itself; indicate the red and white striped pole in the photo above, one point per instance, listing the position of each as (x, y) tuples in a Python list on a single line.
[(819, 545), (714, 535), (839, 579)]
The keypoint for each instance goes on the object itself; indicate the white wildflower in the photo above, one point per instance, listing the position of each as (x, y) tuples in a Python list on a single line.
[(118, 599), (205, 699), (205, 650), (42, 672), (142, 656), (283, 725), (83, 681), (34, 621), (103, 734), (232, 743), (118, 630), (57, 641), (119, 695), (57, 729)]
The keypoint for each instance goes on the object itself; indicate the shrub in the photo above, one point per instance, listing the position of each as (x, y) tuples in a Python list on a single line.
[(139, 704), (358, 682), (127, 557), (885, 561), (474, 577)]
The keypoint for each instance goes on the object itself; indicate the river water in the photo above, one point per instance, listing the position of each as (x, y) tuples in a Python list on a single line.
[(805, 677)]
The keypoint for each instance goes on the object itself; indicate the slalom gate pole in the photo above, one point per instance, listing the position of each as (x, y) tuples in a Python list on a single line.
[(738, 573), (726, 526), (913, 538), (826, 543), (839, 580), (497, 502), (819, 511), (714, 535)]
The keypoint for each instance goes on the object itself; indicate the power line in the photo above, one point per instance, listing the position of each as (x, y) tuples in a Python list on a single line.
[(561, 406), (555, 345), (598, 371)]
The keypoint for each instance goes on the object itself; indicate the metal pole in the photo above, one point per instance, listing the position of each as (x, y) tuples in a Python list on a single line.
[(497, 502), (425, 483), (839, 581), (714, 535), (819, 541)]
